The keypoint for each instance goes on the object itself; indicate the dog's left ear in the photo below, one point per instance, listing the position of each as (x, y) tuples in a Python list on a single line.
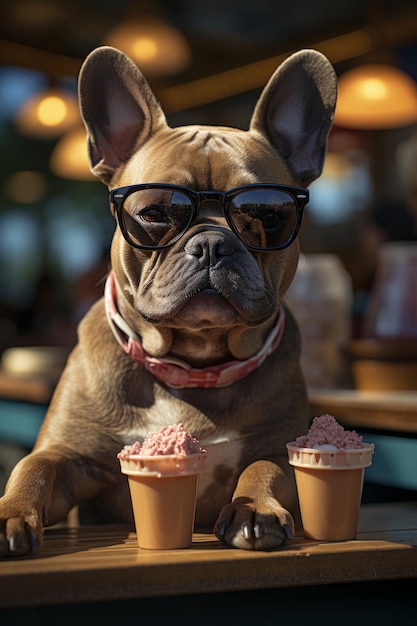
[(295, 111), (118, 107)]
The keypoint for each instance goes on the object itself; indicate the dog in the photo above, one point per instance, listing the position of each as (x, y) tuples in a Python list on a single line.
[(193, 327)]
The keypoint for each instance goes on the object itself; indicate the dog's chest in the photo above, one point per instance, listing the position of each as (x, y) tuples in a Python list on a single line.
[(223, 459)]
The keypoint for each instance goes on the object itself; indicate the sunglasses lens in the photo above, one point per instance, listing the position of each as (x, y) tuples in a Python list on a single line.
[(264, 218), (156, 217)]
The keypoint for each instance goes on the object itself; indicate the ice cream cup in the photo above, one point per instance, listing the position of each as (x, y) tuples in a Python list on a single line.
[(329, 485), (163, 490)]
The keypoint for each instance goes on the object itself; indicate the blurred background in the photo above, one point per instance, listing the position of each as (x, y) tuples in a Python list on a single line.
[(207, 61)]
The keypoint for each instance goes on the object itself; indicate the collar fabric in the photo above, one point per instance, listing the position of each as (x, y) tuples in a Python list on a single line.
[(174, 372)]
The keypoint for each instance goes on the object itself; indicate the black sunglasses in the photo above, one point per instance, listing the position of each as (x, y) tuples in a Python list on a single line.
[(264, 216)]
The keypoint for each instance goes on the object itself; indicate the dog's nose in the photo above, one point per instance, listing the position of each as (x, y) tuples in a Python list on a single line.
[(209, 247)]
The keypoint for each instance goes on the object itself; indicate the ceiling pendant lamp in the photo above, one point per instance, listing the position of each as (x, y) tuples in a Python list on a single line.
[(376, 96), (154, 45), (48, 114)]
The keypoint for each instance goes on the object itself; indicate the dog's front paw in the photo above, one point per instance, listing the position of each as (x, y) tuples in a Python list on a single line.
[(243, 525), (19, 534)]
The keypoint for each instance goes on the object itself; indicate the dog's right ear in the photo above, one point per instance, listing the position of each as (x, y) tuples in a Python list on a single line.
[(118, 107)]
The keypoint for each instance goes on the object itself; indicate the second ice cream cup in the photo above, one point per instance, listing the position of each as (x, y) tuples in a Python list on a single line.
[(163, 490), (329, 485)]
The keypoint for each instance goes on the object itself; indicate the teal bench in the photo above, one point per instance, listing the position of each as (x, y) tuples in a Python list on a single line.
[(394, 462), (20, 422)]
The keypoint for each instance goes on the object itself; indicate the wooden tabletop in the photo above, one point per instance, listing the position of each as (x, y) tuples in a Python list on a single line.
[(37, 389), (382, 410), (104, 563)]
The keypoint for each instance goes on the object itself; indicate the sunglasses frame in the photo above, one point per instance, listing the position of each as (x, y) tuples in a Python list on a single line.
[(118, 196)]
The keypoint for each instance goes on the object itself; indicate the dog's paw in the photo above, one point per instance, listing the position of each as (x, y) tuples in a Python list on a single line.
[(243, 525), (19, 535)]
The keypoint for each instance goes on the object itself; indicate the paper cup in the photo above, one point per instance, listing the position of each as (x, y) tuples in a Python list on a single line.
[(163, 490), (329, 485)]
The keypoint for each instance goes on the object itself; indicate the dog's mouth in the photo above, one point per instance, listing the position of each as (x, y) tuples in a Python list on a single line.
[(205, 308)]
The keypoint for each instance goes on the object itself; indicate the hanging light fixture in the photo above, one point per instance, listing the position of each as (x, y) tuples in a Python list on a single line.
[(48, 114), (376, 96), (69, 158), (154, 45)]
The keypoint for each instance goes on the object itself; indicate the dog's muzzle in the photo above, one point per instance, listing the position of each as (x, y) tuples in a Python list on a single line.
[(174, 372)]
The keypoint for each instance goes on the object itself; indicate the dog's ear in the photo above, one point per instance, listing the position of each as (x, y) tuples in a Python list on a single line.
[(295, 111), (118, 107)]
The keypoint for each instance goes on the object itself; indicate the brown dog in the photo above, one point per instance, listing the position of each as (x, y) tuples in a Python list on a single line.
[(194, 329)]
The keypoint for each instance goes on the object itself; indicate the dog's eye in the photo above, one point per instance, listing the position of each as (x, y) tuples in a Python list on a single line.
[(154, 213), (272, 220), (269, 218)]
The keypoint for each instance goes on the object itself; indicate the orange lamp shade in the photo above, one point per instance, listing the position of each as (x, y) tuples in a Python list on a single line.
[(376, 96)]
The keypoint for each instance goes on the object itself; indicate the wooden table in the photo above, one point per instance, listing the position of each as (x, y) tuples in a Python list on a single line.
[(97, 564), (382, 410), (37, 389)]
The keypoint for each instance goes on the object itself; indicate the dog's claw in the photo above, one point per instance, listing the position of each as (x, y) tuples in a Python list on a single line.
[(287, 531), (33, 542), (258, 530), (246, 530), (222, 529), (12, 544)]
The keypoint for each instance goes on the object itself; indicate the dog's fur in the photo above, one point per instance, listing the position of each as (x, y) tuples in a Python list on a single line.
[(191, 301)]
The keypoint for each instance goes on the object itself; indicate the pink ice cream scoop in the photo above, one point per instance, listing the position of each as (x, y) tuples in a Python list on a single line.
[(326, 431), (170, 450), (168, 440)]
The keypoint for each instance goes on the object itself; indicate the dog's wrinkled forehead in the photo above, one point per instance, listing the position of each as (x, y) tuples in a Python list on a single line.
[(206, 158)]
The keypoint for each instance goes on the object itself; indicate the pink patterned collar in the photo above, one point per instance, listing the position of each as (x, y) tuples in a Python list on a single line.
[(174, 372)]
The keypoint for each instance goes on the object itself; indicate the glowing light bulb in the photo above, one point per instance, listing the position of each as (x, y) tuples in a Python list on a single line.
[(52, 111), (374, 89), (48, 114), (145, 48)]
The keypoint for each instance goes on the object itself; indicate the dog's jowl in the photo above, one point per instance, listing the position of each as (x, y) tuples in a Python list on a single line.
[(193, 326)]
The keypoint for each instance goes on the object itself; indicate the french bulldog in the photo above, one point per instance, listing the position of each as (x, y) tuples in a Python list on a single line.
[(193, 327)]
